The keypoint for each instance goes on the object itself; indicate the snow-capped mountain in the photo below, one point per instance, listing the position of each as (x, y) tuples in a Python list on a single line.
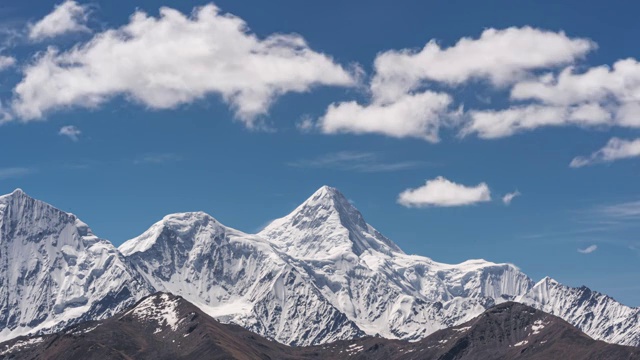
[(383, 290), (596, 314), (54, 272), (238, 278), (316, 275)]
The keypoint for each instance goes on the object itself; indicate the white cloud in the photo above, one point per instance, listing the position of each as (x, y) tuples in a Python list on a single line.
[(508, 198), (600, 96), (163, 62), (65, 18), (615, 149), (500, 56), (305, 124), (402, 104), (367, 162), (70, 131), (491, 124), (622, 211), (621, 82), (442, 192), (6, 62), (418, 116), (588, 249)]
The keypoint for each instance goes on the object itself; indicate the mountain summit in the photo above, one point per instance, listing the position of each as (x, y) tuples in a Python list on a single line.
[(54, 271), (326, 225)]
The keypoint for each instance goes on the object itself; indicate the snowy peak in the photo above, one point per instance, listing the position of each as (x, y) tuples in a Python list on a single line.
[(326, 225), (16, 195), (598, 315), (24, 217), (54, 271), (174, 229)]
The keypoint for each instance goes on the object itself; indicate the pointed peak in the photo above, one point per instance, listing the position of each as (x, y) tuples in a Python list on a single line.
[(329, 195), (17, 193), (326, 189), (19, 196), (325, 192), (324, 223), (547, 281)]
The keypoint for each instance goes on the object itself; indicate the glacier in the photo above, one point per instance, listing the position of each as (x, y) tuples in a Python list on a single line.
[(317, 275)]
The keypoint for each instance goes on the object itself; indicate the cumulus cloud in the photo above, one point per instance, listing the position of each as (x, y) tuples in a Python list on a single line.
[(442, 192), (403, 102), (588, 249), (501, 56), (621, 82), (615, 149), (71, 132), (419, 116), (508, 198), (6, 62), (65, 18), (491, 124), (173, 59), (599, 96)]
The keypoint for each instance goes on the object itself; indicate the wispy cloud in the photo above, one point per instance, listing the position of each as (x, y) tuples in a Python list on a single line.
[(14, 172), (157, 158), (508, 198), (356, 161), (6, 62), (71, 132), (615, 149), (305, 124), (588, 249), (621, 211)]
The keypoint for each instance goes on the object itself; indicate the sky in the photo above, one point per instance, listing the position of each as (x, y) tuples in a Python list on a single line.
[(502, 130)]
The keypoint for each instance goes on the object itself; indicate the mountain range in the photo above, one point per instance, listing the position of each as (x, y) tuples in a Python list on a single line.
[(165, 326), (318, 275)]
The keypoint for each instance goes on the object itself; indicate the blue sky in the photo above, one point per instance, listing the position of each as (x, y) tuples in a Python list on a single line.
[(250, 147)]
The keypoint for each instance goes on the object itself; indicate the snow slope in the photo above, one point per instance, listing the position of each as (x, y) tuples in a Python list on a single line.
[(237, 278), (596, 314), (55, 272), (383, 290)]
